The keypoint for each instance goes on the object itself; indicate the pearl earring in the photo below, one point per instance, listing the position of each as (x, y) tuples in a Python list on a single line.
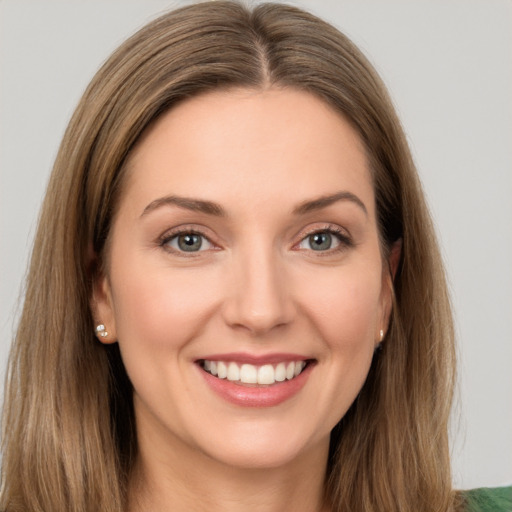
[(381, 334), (100, 331)]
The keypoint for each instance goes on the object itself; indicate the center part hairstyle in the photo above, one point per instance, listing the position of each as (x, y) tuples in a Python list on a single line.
[(69, 440)]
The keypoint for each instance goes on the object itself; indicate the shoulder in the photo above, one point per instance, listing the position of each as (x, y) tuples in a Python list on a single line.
[(497, 499)]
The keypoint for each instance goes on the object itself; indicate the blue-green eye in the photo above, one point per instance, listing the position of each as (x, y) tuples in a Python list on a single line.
[(323, 241), (188, 242), (320, 241)]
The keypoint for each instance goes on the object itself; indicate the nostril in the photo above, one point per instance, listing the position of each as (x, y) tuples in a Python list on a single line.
[(258, 299), (258, 322)]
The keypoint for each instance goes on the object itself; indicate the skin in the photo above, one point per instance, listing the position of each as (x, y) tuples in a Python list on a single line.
[(256, 286)]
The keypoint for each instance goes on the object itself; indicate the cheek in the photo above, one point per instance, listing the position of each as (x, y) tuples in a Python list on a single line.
[(345, 306), (158, 312), (160, 308), (342, 306)]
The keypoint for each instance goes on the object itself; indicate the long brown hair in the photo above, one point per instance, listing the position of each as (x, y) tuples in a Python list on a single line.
[(68, 436)]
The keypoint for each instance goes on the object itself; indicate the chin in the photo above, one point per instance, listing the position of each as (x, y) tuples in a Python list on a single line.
[(261, 449)]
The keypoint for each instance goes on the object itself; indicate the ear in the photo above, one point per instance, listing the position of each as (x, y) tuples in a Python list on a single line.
[(389, 271), (102, 309)]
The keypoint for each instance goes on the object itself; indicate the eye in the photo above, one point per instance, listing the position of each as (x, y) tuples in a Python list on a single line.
[(187, 242), (320, 241), (325, 240)]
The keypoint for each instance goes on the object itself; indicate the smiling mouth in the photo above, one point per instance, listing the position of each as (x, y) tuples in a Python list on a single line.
[(249, 374)]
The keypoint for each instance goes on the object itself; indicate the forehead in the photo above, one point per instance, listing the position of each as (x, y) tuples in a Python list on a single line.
[(252, 146)]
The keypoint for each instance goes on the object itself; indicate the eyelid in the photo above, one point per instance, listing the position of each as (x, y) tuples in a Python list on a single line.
[(186, 229), (342, 235)]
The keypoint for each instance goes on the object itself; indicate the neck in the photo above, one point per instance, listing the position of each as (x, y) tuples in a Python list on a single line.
[(183, 479)]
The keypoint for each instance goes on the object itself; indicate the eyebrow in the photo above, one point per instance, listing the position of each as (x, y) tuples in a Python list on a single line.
[(325, 201), (188, 203), (211, 208)]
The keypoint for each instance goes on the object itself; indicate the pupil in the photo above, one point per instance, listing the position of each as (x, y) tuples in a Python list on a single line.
[(189, 242), (320, 241)]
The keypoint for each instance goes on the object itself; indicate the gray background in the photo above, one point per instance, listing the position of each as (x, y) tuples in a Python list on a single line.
[(448, 65)]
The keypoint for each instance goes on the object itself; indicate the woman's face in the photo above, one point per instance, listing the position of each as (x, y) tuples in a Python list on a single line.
[(246, 246)]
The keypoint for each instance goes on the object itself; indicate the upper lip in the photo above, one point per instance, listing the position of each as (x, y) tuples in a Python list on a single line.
[(260, 359)]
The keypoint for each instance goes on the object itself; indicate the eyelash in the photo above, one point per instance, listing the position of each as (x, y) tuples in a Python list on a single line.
[(169, 236), (345, 241)]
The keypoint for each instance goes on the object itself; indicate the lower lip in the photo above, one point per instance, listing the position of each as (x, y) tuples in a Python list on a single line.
[(265, 396)]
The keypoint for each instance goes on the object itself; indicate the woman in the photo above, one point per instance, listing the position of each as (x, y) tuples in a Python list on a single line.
[(199, 334)]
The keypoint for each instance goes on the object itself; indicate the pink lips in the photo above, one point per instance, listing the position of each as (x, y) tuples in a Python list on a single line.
[(257, 360), (256, 395)]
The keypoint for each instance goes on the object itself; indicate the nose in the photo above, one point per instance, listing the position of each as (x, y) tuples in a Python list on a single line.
[(259, 297)]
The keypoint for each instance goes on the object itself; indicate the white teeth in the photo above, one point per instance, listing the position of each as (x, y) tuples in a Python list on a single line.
[(290, 370), (222, 370), (233, 372), (250, 374), (266, 374), (299, 366), (280, 373)]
